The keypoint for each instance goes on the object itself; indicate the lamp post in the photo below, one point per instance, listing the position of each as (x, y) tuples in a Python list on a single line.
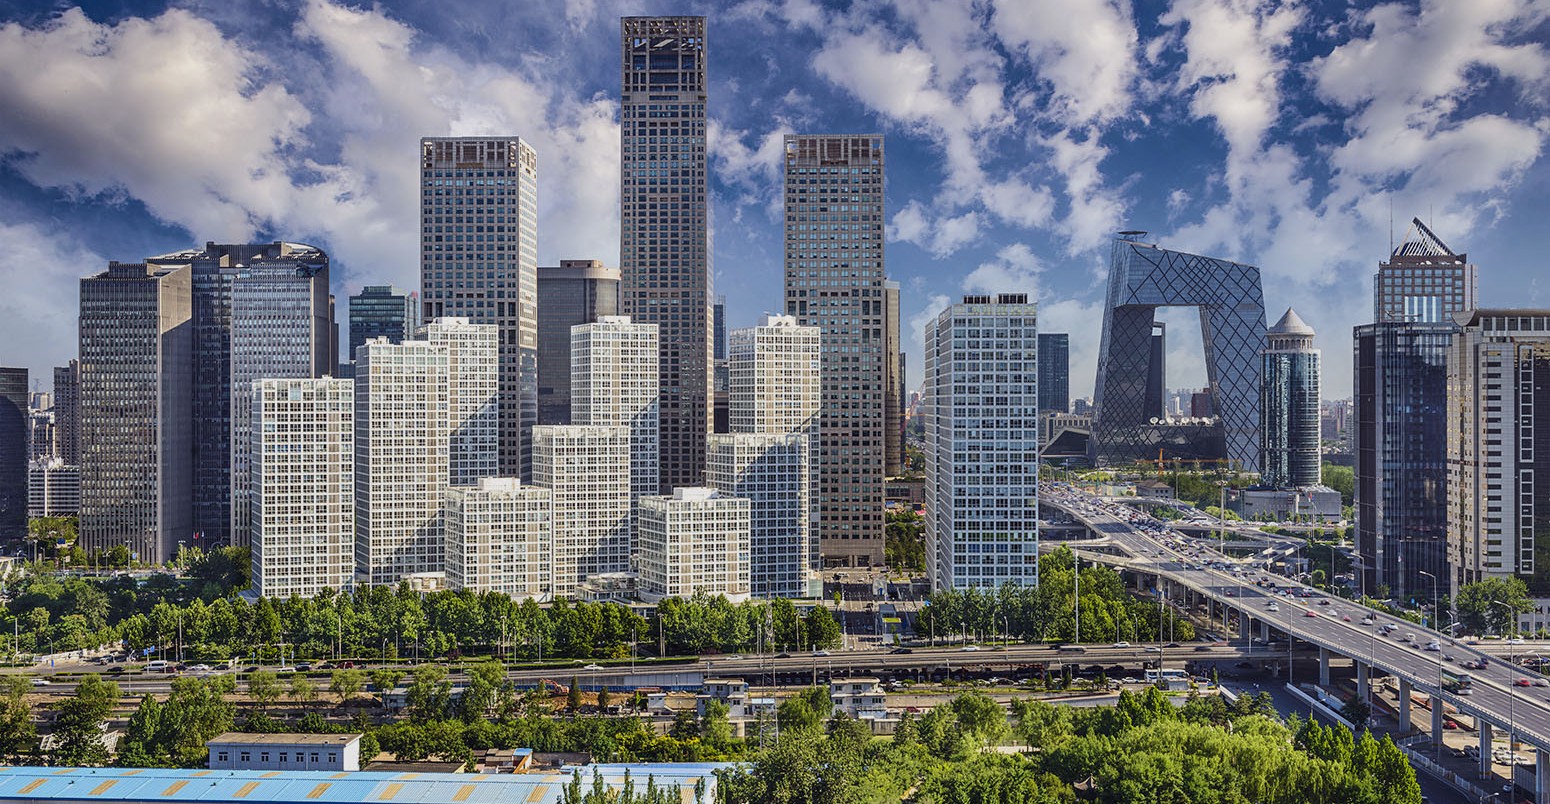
[(1435, 612), (1512, 694)]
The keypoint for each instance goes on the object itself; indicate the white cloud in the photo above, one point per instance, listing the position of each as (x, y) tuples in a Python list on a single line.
[(939, 235), (42, 291), (1082, 321), (1015, 269), (1085, 51), (935, 304), (757, 169)]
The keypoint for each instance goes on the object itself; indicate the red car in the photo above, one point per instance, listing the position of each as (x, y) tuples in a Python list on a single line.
[(1523, 682), (1310, 613)]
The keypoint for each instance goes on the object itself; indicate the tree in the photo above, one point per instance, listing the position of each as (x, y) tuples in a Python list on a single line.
[(346, 683), (429, 694), (715, 727), (981, 717), (1356, 711), (820, 629), (386, 680), (79, 720), (263, 688), (604, 698), (1483, 605), (18, 734), (303, 690), (1341, 479), (485, 681)]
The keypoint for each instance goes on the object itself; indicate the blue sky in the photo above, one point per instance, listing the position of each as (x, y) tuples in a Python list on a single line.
[(1020, 134)]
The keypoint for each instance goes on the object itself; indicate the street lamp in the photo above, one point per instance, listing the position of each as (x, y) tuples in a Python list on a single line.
[(1437, 743), (1512, 693)]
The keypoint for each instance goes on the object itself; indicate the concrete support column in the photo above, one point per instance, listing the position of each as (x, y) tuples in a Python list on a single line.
[(1245, 625), (1323, 667), (1361, 681), (1264, 630), (1404, 707), (1542, 777), (1437, 730), (1485, 747)]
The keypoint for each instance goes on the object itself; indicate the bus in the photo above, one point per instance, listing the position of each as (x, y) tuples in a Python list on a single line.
[(1457, 683), (1173, 674)]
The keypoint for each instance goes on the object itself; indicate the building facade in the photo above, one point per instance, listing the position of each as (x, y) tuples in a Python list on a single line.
[(1423, 281), (982, 443), (694, 540), (473, 397), (835, 280), (500, 538), (401, 459), (1289, 406), (1054, 372), (136, 387), (285, 752), (302, 491), (1129, 403), (53, 489), (587, 469), (382, 311), (479, 261), (893, 382), (1499, 451), (67, 413), (773, 473), (664, 246), (615, 383), (573, 292), (15, 427)]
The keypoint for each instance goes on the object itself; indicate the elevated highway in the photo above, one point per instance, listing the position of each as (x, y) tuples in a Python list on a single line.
[(1502, 698)]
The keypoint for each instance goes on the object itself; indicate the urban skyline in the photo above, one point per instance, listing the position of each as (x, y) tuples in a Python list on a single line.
[(1470, 194)]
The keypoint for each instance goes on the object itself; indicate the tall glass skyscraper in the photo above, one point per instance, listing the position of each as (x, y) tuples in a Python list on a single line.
[(479, 261), (1054, 372), (664, 247), (836, 282), (1289, 406), (14, 426), (382, 311)]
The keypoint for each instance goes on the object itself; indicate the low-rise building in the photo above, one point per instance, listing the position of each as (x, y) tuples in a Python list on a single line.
[(53, 489), (861, 697), (731, 691), (285, 752)]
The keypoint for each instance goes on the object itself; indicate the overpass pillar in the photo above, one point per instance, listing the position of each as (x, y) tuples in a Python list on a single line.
[(1264, 630), (1404, 707), (1362, 681), (1323, 667), (1245, 625), (1437, 730), (1542, 777), (1485, 746)]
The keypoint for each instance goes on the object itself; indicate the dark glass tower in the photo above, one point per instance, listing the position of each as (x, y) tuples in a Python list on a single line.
[(1054, 372), (14, 424), (1289, 406), (664, 247), (382, 311)]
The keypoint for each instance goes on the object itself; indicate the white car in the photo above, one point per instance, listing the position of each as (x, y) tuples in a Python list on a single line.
[(593, 667), (1122, 644), (40, 682), (1274, 606), (969, 648)]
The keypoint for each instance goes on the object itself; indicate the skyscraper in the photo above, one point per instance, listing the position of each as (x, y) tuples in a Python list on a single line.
[(500, 538), (982, 443), (15, 421), (775, 377), (382, 311), (67, 412), (614, 383), (479, 261), (573, 292), (893, 383), (303, 486), (1289, 406), (692, 541), (136, 406), (835, 281), (473, 386), (588, 470), (1423, 281), (1054, 372), (664, 249), (401, 459), (1498, 452), (721, 415)]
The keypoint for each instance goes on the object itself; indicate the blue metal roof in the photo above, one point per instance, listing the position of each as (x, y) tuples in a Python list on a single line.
[(135, 785)]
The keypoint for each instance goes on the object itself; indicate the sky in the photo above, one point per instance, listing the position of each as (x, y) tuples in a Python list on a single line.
[(1020, 135)]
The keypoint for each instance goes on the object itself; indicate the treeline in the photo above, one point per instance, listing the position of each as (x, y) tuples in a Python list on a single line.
[(1048, 611), (71, 613)]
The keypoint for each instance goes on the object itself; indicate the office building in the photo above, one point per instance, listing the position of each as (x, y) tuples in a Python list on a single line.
[(1498, 452), (302, 497), (1399, 429), (1157, 373), (40, 435), (1054, 372), (664, 248), (282, 327), (53, 489), (836, 282), (1289, 406), (500, 538), (401, 459), (1200, 404), (774, 377), (573, 292), (1423, 281), (982, 443), (587, 469), (479, 261), (473, 393), (285, 752), (67, 413), (382, 311), (694, 540), (893, 383), (615, 383), (15, 426), (136, 395), (773, 473), (721, 414), (1129, 395)]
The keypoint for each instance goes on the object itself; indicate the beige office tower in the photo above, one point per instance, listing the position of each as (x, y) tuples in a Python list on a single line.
[(835, 281), (1498, 466), (500, 538), (588, 470), (772, 472), (774, 377), (893, 383), (401, 459), (136, 398), (302, 478), (694, 540), (614, 383), (473, 390), (664, 246), (479, 261)]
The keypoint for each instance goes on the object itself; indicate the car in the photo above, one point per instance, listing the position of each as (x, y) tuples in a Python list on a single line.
[(1310, 613), (1171, 645), (1153, 649), (40, 682), (1367, 621), (826, 653), (964, 648), (200, 668), (113, 671), (900, 651), (1434, 645), (1202, 648), (1539, 682), (736, 658), (1346, 618), (1447, 657), (1324, 602), (782, 655), (1515, 641), (1274, 606), (303, 668), (250, 669), (1522, 682), (593, 667), (1122, 644)]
